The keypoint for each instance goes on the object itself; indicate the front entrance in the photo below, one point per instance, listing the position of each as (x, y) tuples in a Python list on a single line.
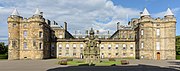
[(158, 55)]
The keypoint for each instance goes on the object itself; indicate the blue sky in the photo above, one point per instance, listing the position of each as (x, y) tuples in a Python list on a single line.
[(84, 14)]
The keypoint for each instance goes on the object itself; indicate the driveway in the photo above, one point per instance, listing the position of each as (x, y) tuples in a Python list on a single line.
[(51, 65)]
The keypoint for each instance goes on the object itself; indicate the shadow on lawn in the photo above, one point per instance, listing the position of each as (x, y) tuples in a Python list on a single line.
[(112, 68)]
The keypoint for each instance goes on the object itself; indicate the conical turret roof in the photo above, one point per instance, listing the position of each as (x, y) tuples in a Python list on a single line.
[(15, 12), (145, 12), (168, 12)]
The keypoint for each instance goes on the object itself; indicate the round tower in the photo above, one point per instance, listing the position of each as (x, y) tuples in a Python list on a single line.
[(14, 35)]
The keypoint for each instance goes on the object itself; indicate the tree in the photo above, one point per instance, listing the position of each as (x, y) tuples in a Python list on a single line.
[(3, 48), (178, 45)]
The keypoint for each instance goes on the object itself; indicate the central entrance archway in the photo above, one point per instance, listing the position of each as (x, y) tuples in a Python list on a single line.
[(158, 55)]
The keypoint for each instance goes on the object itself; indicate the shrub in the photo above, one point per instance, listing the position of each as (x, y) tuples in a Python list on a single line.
[(112, 59), (69, 59), (63, 62)]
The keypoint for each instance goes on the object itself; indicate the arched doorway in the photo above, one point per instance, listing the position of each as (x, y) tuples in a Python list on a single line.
[(158, 55)]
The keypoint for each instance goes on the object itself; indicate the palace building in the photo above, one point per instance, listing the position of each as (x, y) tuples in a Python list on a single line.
[(143, 38)]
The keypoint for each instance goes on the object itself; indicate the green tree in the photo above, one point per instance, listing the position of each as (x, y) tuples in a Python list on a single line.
[(178, 45), (3, 48)]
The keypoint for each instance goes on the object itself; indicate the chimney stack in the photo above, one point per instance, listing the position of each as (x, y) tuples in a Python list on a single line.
[(118, 26), (65, 25)]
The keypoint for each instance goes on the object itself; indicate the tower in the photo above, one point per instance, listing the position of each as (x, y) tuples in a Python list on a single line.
[(14, 34), (156, 37)]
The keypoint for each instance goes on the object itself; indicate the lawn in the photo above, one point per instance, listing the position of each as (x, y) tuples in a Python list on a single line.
[(104, 63), (177, 57), (3, 56)]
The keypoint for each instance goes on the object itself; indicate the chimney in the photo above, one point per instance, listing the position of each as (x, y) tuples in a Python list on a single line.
[(118, 26), (97, 31), (65, 25), (41, 13), (86, 32)]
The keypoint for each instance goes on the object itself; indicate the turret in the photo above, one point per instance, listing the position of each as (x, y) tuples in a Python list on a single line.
[(169, 14), (14, 35), (145, 14)]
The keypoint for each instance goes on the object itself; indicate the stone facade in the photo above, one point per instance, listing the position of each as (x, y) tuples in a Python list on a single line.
[(143, 38)]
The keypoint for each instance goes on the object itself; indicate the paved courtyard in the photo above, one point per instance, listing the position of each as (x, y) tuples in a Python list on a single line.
[(51, 65)]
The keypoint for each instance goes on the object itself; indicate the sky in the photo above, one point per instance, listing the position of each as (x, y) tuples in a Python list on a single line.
[(81, 15)]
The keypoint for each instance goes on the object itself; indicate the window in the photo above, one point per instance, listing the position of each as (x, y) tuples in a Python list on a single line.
[(116, 54), (102, 46), (124, 46), (109, 53), (142, 32), (124, 54), (116, 46), (131, 46), (25, 25), (40, 46), (25, 45), (40, 34), (74, 46), (81, 46), (60, 46), (60, 54), (13, 43), (142, 44), (109, 46), (34, 43), (74, 54), (157, 45), (25, 34), (14, 25), (67, 46), (158, 32)]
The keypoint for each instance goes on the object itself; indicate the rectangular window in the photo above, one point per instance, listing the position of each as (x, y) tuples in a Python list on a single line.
[(116, 54), (109, 46), (142, 32), (40, 34), (124, 46), (25, 34), (13, 43), (117, 46), (40, 46), (25, 45), (34, 43), (142, 44), (158, 32), (14, 25), (157, 45), (74, 54)]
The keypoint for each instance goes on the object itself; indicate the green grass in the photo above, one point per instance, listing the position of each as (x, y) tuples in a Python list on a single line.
[(177, 57), (108, 63), (3, 56), (75, 63)]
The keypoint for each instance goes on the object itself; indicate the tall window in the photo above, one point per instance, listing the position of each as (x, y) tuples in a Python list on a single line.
[(157, 45), (131, 46), (117, 46), (109, 46), (81, 46), (67, 46), (34, 43), (40, 46), (25, 34), (60, 46), (74, 46), (124, 46), (142, 32), (102, 46), (25, 45), (142, 44), (40, 34), (158, 32)]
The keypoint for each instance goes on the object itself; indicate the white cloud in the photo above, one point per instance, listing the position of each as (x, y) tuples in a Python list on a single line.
[(79, 14)]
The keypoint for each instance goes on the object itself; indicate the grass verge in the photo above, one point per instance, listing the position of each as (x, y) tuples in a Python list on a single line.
[(3, 57)]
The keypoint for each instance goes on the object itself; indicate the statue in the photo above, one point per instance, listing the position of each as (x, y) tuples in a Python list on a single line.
[(92, 50)]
